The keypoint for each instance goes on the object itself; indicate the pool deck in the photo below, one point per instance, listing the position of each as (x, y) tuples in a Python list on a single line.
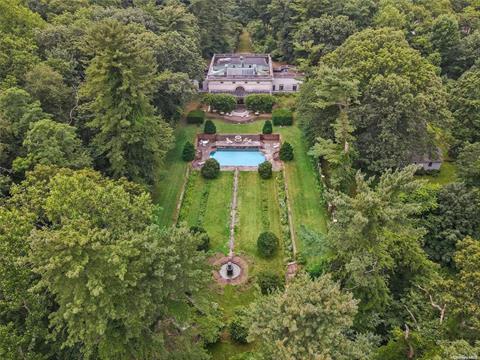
[(269, 145)]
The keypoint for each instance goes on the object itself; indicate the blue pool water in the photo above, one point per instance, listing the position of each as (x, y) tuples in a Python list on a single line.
[(238, 157)]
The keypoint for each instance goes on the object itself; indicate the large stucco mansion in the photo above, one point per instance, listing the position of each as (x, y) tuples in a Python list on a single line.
[(244, 74)]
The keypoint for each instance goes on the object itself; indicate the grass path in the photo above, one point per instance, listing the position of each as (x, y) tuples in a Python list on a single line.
[(258, 211), (167, 191), (244, 43), (207, 204)]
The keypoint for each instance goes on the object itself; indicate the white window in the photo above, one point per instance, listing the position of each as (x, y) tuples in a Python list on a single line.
[(273, 87), (294, 87), (281, 88)]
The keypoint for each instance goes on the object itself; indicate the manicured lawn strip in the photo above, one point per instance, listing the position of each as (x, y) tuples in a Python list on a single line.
[(229, 128), (167, 191), (207, 204), (305, 195), (250, 224)]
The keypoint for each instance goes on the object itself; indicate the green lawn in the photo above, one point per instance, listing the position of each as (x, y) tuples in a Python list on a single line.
[(305, 195), (244, 43), (167, 191), (247, 128), (448, 174), (258, 211), (207, 204)]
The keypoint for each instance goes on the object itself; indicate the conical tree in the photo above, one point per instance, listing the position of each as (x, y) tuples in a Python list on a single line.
[(286, 152), (209, 127), (267, 127), (188, 153)]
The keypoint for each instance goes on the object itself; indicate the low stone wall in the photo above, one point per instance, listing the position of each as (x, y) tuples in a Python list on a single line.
[(253, 137)]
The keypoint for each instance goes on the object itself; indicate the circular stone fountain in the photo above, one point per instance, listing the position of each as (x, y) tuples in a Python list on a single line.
[(230, 271)]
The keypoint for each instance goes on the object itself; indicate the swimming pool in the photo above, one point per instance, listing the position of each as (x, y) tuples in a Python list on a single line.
[(238, 157)]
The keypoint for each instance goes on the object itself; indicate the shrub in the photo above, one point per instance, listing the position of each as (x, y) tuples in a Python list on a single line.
[(267, 127), (282, 117), (211, 169), (267, 244), (188, 153), (209, 127), (286, 152), (265, 170), (204, 244), (238, 328), (260, 102), (270, 282), (221, 102), (196, 117)]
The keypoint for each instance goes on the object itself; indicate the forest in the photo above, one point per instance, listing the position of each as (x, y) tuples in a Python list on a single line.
[(108, 235)]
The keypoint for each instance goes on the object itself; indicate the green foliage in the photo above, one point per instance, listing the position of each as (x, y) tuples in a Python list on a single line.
[(464, 288), (103, 241), (286, 152), (210, 127), (265, 170), (267, 127), (17, 110), (46, 85), (270, 282), (51, 143), (371, 253), (196, 117), (464, 104), (260, 102), (120, 80), (454, 217), (211, 169), (309, 320), (282, 117), (188, 153), (238, 327), (469, 164), (201, 233), (267, 244), (221, 102)]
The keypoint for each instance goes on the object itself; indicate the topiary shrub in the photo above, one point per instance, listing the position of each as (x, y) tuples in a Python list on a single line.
[(188, 153), (265, 170), (270, 282), (260, 102), (286, 152), (209, 127), (221, 102), (211, 169), (204, 244), (238, 328), (267, 244), (282, 117), (196, 117), (267, 127)]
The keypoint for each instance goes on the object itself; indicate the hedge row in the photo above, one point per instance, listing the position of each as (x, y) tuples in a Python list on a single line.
[(282, 201), (282, 117), (221, 102), (196, 117), (260, 102)]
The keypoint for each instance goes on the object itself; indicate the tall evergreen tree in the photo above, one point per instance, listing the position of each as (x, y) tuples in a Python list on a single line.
[(119, 86)]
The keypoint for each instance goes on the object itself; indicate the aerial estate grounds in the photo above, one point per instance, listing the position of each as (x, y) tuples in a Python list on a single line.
[(260, 206)]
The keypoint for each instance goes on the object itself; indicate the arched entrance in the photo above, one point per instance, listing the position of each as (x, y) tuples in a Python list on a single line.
[(240, 94)]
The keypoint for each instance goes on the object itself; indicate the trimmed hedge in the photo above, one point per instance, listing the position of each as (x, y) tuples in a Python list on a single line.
[(267, 244), (267, 127), (260, 102), (282, 117), (221, 102), (211, 169), (265, 170), (204, 244), (286, 152), (188, 153), (196, 117), (270, 282), (209, 127)]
